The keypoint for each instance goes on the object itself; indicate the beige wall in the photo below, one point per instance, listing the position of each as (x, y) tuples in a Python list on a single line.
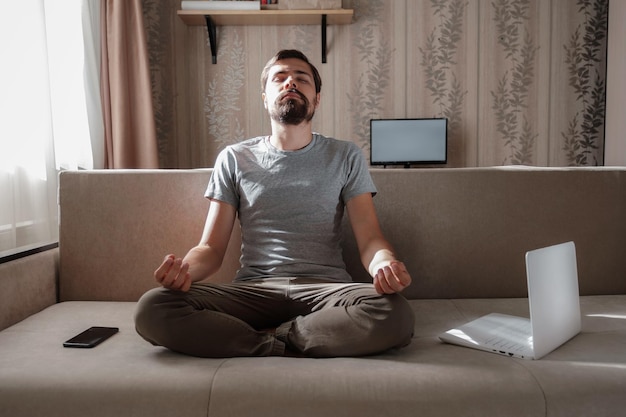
[(615, 146), (521, 81)]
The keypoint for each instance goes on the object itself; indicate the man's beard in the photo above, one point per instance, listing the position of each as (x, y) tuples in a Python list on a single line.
[(292, 111)]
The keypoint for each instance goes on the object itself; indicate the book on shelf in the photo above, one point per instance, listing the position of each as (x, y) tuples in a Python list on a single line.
[(221, 5), (309, 4)]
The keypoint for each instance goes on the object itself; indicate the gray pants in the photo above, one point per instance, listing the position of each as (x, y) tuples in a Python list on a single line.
[(274, 317)]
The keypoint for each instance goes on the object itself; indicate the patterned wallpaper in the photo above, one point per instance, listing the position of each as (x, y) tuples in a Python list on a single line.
[(520, 81)]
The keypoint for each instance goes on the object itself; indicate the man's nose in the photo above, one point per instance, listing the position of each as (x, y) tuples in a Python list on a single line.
[(290, 83)]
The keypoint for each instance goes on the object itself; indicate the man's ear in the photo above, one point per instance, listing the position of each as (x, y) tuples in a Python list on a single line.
[(264, 100), (318, 97)]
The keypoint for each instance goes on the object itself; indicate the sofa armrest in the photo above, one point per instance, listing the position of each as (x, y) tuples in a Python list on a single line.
[(29, 285)]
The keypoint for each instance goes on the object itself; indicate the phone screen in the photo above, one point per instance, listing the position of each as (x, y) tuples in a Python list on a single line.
[(91, 337)]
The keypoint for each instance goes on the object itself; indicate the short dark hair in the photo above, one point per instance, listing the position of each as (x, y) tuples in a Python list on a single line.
[(286, 54)]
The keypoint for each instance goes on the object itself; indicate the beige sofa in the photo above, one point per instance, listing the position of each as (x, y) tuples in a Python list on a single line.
[(463, 234)]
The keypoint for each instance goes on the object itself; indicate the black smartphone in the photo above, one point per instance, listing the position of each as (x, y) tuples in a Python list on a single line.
[(91, 337)]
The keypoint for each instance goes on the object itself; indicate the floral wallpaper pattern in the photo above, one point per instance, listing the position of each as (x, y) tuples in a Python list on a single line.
[(372, 75), (510, 98), (439, 56), (520, 81), (222, 102), (585, 54)]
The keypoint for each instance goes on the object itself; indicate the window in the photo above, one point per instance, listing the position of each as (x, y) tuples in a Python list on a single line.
[(50, 115)]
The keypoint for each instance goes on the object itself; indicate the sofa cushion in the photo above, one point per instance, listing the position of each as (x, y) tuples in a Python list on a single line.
[(123, 376), (127, 376)]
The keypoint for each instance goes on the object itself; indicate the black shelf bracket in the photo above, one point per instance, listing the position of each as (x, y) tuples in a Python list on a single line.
[(212, 29), (324, 17)]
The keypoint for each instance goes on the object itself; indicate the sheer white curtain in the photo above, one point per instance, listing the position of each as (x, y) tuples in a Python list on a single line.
[(50, 115)]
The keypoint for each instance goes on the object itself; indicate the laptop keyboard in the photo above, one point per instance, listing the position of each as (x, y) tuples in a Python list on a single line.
[(514, 336)]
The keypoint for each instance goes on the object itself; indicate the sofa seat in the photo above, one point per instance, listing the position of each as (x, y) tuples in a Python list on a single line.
[(126, 376)]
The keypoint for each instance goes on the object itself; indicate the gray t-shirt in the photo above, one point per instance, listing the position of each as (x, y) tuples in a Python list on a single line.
[(290, 204)]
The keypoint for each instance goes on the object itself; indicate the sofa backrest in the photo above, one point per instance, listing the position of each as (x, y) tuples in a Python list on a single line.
[(116, 226), (462, 232)]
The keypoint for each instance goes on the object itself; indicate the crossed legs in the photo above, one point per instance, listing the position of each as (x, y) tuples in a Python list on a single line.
[(274, 317)]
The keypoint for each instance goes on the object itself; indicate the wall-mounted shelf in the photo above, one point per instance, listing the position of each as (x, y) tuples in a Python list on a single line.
[(214, 18)]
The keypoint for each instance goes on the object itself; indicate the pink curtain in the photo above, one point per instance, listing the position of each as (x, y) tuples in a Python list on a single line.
[(130, 133)]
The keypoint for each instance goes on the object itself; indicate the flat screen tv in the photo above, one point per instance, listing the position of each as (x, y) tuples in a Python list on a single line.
[(408, 141)]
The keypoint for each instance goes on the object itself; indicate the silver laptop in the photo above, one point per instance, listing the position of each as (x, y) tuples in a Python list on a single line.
[(552, 278)]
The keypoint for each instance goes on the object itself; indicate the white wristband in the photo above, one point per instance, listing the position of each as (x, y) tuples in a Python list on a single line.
[(381, 259)]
